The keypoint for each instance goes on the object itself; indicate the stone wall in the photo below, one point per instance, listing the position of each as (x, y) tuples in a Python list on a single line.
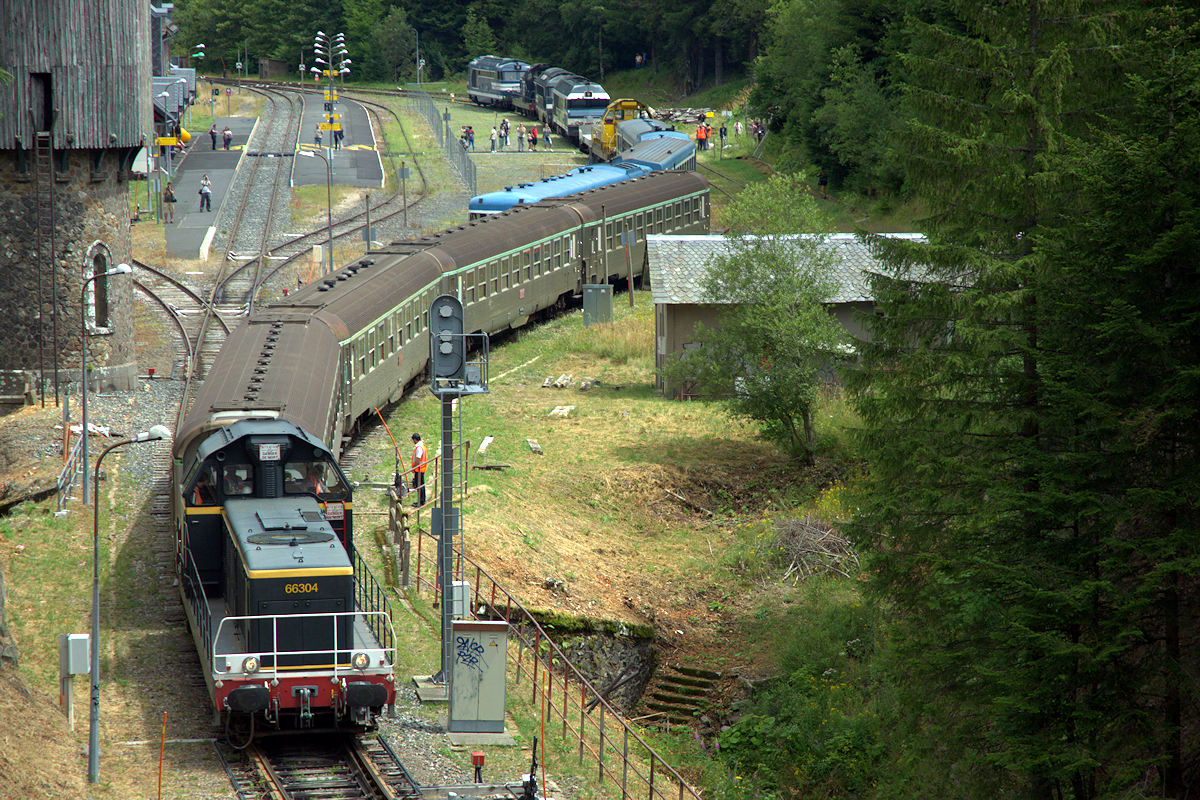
[(618, 666), (91, 216)]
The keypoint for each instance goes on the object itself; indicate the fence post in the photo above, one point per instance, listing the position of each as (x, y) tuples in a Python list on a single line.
[(582, 717), (624, 760), (537, 657), (600, 749)]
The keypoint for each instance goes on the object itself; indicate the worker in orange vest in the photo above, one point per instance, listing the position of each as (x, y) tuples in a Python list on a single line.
[(419, 460)]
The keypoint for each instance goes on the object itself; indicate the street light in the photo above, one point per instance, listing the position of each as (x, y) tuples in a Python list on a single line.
[(154, 434), (119, 269), (328, 198)]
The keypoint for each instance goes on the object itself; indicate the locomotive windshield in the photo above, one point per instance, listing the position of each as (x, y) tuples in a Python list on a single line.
[(318, 478), (237, 479)]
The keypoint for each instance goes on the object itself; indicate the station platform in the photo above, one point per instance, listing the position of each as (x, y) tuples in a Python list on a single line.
[(356, 163), (193, 229)]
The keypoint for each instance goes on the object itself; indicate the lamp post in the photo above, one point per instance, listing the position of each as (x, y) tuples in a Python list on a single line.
[(330, 55), (328, 199), (154, 434), (119, 269)]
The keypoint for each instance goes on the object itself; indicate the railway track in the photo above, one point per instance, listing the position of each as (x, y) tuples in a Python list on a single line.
[(272, 268), (318, 768), (270, 156), (185, 307)]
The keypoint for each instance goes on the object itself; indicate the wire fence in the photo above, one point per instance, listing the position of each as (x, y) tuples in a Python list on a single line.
[(570, 707), (439, 121)]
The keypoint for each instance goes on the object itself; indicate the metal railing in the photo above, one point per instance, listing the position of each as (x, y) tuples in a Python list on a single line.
[(369, 596), (66, 478), (341, 642), (450, 144), (567, 701)]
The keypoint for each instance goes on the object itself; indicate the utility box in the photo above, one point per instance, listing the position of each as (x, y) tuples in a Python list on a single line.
[(73, 654), (597, 304), (477, 676), (460, 600)]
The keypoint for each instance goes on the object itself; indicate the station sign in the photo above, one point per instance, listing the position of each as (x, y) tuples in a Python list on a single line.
[(166, 141), (330, 96), (331, 126)]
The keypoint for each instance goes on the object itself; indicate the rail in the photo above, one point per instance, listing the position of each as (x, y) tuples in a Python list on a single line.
[(569, 704), (440, 123)]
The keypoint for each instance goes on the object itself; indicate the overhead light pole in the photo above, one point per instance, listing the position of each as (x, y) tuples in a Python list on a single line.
[(330, 56), (154, 434), (119, 269), (328, 200)]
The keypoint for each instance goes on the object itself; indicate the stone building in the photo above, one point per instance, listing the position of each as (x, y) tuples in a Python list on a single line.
[(74, 115)]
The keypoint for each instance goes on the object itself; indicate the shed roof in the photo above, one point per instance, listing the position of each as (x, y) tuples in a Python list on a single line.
[(679, 264)]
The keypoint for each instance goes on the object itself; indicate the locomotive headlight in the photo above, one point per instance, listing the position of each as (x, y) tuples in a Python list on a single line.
[(250, 665), (360, 661)]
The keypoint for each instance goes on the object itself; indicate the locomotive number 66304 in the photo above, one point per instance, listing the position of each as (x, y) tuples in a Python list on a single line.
[(299, 588)]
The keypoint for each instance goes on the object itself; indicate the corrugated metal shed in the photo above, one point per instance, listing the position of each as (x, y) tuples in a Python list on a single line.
[(170, 95), (679, 265), (79, 69)]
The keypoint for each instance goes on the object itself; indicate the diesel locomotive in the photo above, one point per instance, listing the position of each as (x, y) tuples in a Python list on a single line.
[(291, 628)]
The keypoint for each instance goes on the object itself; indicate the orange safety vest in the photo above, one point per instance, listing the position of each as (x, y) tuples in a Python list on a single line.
[(418, 459)]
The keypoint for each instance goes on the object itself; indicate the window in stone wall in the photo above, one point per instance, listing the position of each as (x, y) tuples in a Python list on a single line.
[(96, 293)]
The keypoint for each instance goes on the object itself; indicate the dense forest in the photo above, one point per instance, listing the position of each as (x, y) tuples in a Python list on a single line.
[(1030, 401)]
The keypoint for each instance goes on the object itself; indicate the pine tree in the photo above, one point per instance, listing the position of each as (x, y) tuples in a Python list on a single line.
[(982, 538)]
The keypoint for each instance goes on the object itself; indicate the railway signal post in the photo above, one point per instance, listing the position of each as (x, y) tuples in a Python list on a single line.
[(451, 377)]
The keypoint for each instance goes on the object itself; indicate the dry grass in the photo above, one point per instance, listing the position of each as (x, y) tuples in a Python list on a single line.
[(635, 499)]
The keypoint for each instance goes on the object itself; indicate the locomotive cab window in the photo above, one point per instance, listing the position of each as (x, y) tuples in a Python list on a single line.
[(204, 491), (318, 478), (237, 480)]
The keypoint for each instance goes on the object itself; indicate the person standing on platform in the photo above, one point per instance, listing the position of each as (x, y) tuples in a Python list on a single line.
[(495, 135), (521, 138), (317, 135), (546, 138), (212, 134), (169, 203), (205, 193), (227, 137), (420, 460), (533, 137)]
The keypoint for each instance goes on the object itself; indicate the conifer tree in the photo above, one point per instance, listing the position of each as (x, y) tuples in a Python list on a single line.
[(983, 534)]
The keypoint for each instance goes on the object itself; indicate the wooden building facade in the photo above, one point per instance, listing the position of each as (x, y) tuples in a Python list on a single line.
[(74, 115)]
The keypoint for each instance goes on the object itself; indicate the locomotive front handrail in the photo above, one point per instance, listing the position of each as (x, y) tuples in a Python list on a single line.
[(232, 660)]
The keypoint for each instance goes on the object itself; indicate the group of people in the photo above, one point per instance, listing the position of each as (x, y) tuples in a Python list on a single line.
[(467, 137), (704, 132), (500, 137), (704, 135), (337, 137), (226, 136), (169, 199)]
